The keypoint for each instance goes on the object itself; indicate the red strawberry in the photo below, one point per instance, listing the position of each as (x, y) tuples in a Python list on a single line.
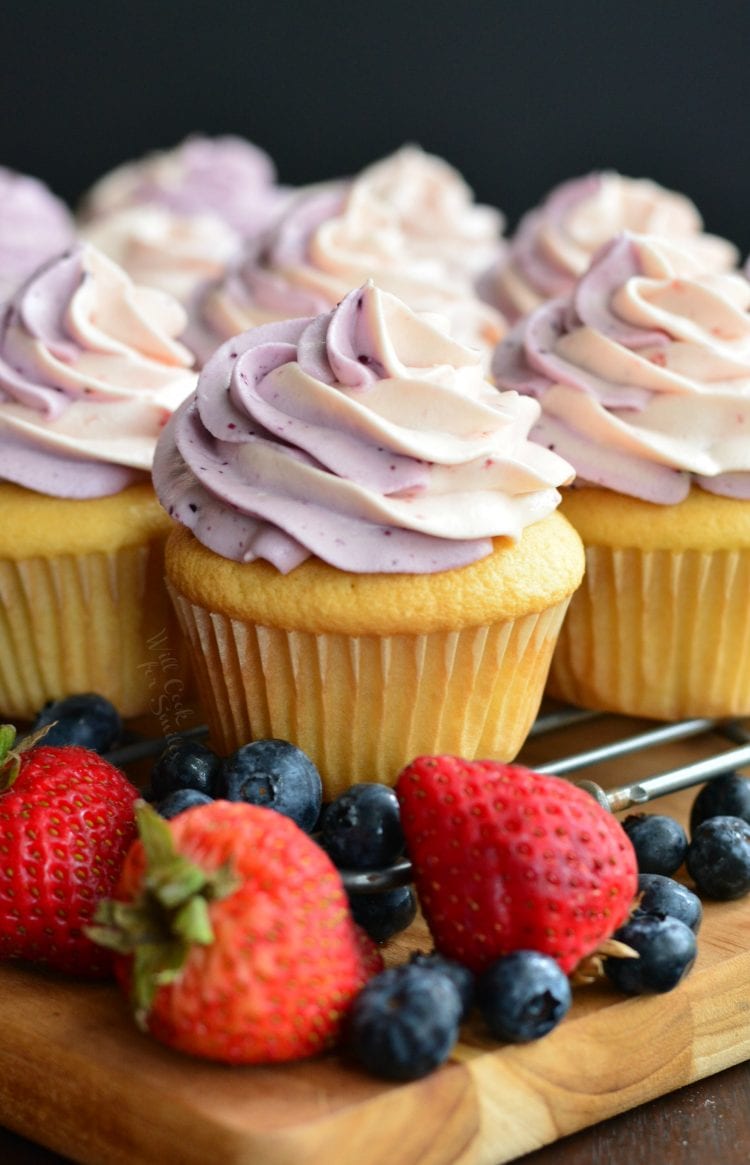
[(66, 821), (240, 946), (506, 859)]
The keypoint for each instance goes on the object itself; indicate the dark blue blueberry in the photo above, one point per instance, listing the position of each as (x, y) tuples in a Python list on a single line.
[(460, 976), (179, 800), (361, 829), (85, 719), (277, 775), (662, 895), (724, 796), (659, 842), (404, 1022), (718, 857), (666, 952), (185, 764), (386, 913), (522, 996)]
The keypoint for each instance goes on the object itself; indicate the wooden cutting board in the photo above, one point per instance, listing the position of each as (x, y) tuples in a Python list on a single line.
[(76, 1076)]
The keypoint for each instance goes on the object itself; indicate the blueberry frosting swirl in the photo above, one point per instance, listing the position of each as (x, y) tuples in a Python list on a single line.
[(555, 242), (642, 372), (407, 222), (90, 370), (34, 225), (364, 436)]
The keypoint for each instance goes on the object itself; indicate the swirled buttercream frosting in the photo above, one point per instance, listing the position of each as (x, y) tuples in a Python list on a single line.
[(226, 176), (364, 436), (555, 242), (90, 370), (159, 247), (34, 225), (407, 222), (642, 372)]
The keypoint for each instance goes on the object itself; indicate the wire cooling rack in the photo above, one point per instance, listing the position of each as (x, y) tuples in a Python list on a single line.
[(629, 740)]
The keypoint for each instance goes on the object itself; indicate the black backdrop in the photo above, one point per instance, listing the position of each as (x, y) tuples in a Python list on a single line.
[(518, 96)]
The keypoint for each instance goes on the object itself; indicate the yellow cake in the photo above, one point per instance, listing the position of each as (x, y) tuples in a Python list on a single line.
[(661, 624), (82, 602), (366, 671), (368, 561)]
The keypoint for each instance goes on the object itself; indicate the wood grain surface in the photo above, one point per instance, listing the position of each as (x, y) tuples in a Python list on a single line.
[(77, 1077)]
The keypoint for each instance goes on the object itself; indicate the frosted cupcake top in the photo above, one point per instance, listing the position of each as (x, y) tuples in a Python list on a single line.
[(225, 176), (643, 372), (554, 243), (407, 222), (160, 248), (34, 225), (90, 370), (364, 436)]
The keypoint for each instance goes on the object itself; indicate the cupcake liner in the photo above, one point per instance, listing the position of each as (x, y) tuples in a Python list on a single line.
[(364, 706), (660, 634), (88, 622)]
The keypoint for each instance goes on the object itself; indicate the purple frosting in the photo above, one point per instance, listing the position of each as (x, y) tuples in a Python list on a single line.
[(34, 225)]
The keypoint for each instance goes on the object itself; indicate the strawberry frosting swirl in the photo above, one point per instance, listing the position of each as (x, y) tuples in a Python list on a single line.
[(364, 436), (643, 372), (408, 222), (554, 243), (90, 370)]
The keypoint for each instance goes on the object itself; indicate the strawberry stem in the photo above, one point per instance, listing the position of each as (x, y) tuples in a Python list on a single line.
[(169, 916)]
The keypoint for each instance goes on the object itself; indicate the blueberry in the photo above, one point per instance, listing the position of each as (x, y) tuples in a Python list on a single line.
[(179, 800), (724, 796), (662, 895), (666, 948), (85, 719), (461, 977), (277, 775), (386, 913), (659, 842), (718, 857), (361, 829), (404, 1022), (522, 996), (185, 764)]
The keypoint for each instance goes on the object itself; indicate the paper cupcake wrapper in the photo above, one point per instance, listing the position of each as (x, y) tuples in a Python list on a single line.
[(363, 707), (80, 623), (658, 634)]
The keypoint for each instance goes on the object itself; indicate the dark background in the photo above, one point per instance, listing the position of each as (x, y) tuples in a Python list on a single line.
[(517, 96)]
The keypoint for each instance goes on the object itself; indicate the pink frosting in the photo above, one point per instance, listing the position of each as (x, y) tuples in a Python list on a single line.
[(34, 225), (408, 222), (90, 370), (364, 436), (555, 242), (642, 371)]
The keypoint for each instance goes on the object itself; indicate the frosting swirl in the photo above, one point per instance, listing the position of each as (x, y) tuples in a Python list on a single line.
[(90, 370), (364, 436), (554, 243), (225, 176), (160, 248), (643, 372), (407, 222), (34, 225)]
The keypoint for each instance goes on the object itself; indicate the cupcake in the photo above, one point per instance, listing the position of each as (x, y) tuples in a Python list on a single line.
[(408, 222), (643, 375), (367, 558), (34, 226), (554, 244), (90, 370)]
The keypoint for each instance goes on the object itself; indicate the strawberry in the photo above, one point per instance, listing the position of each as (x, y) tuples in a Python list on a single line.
[(234, 937), (508, 859), (67, 818)]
